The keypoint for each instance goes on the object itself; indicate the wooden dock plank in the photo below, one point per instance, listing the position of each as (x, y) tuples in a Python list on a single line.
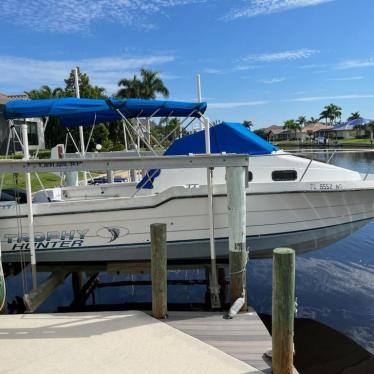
[(243, 337)]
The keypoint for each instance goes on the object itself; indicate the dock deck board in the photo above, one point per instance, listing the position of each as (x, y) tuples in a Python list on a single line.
[(244, 337)]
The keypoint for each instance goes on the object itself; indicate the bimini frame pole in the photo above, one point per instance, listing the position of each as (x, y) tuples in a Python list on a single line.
[(30, 214), (199, 97), (81, 134), (214, 287)]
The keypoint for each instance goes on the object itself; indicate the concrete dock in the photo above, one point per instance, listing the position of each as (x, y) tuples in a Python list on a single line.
[(108, 342)]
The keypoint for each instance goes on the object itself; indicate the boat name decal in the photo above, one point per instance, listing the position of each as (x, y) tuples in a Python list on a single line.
[(48, 240)]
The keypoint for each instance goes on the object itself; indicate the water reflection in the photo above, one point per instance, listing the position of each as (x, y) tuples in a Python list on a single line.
[(334, 285)]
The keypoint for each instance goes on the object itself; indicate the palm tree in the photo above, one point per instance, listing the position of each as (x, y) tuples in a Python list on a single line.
[(331, 112), (312, 120), (292, 125), (45, 92), (152, 84), (302, 121), (248, 124), (354, 115), (147, 87), (130, 88)]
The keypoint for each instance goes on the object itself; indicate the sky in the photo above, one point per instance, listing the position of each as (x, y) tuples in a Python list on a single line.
[(261, 60)]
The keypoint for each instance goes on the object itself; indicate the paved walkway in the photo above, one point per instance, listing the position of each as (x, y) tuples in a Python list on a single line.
[(106, 342)]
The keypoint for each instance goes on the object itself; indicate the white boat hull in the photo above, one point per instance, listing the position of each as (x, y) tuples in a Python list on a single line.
[(117, 229)]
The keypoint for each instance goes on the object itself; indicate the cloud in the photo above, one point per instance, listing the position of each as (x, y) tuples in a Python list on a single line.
[(354, 64), (345, 79), (22, 74), (282, 56), (231, 105), (71, 16), (214, 71), (228, 70), (273, 80), (259, 7), (336, 97)]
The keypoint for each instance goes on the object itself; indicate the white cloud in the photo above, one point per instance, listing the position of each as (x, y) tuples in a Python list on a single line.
[(214, 71), (345, 79), (259, 7), (354, 64), (336, 97), (296, 54), (69, 16), (273, 80), (231, 105), (22, 74)]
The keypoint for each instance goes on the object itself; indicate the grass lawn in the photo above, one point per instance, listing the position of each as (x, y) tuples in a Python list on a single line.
[(354, 141), (48, 179)]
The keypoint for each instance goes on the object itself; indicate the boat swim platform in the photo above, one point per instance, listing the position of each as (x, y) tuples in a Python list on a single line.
[(121, 342)]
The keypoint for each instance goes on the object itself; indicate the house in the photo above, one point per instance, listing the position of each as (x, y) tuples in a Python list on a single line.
[(347, 130), (276, 133), (34, 125), (314, 130)]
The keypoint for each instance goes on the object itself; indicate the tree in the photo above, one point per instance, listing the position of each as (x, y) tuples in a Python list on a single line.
[(248, 124), (302, 121), (165, 127), (354, 115), (147, 87), (86, 89), (331, 112), (55, 133), (368, 127), (262, 133), (292, 125), (312, 120)]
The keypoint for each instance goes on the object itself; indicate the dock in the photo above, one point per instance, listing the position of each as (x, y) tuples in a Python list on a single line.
[(125, 342), (243, 337)]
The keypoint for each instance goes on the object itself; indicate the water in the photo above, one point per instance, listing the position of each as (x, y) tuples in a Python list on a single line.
[(334, 285)]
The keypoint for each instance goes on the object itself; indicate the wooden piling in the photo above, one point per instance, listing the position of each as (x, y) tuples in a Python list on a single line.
[(159, 270), (236, 205), (77, 282), (283, 310)]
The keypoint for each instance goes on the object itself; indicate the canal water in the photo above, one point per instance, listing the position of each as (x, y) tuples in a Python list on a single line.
[(334, 285)]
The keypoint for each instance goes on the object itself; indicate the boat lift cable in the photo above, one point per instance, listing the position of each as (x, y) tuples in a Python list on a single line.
[(3, 285), (6, 156), (79, 153), (91, 132)]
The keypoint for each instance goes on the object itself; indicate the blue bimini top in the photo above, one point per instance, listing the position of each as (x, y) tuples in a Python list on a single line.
[(74, 112), (226, 137)]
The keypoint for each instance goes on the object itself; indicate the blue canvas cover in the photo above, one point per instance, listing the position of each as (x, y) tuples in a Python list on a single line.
[(80, 112), (226, 137), (52, 107), (132, 108)]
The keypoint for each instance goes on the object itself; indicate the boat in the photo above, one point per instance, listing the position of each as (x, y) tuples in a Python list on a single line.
[(290, 200)]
